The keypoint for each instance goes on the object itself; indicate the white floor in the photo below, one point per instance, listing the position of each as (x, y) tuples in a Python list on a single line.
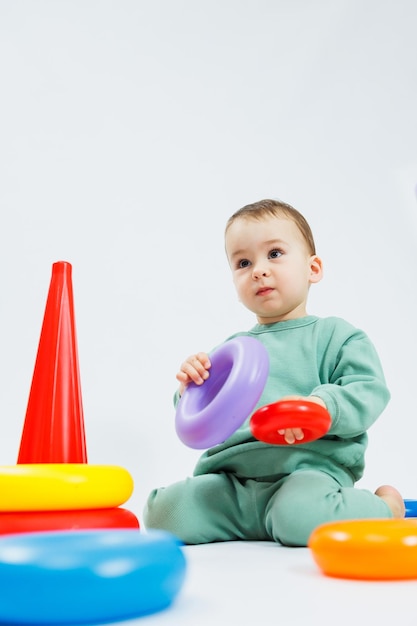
[(246, 583)]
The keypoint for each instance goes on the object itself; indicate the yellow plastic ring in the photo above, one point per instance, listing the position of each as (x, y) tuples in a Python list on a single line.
[(63, 486), (375, 549)]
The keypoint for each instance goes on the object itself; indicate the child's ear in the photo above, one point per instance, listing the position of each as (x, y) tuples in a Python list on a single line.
[(316, 269)]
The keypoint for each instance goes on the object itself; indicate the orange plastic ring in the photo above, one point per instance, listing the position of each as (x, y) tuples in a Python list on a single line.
[(372, 549)]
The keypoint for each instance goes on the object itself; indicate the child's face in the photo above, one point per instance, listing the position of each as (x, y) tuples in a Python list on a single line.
[(272, 267)]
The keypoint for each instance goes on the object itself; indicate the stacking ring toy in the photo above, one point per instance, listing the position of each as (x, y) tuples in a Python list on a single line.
[(312, 418), (85, 577), (373, 549), (36, 521), (208, 414), (63, 486), (410, 508)]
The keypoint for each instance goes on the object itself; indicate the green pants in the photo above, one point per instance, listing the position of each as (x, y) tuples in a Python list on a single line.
[(224, 507)]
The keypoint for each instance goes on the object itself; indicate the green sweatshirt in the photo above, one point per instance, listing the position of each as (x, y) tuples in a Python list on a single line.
[(328, 358)]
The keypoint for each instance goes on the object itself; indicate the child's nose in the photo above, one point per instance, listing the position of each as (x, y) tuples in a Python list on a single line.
[(259, 270)]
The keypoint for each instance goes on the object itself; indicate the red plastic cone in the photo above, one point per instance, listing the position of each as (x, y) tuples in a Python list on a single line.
[(53, 430)]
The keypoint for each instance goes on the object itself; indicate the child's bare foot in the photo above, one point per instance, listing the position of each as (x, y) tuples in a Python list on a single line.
[(393, 498)]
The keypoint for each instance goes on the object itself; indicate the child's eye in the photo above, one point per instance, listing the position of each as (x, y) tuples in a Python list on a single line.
[(275, 253), (243, 263)]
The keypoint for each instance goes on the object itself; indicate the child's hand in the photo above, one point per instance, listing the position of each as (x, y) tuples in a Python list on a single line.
[(296, 434), (292, 434), (194, 369)]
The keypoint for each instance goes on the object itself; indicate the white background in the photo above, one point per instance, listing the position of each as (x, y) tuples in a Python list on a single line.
[(129, 133)]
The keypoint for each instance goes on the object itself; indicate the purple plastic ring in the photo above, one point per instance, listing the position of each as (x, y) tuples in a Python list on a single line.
[(208, 414)]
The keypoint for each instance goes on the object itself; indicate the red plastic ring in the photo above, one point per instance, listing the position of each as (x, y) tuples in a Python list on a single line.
[(313, 419), (38, 521)]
